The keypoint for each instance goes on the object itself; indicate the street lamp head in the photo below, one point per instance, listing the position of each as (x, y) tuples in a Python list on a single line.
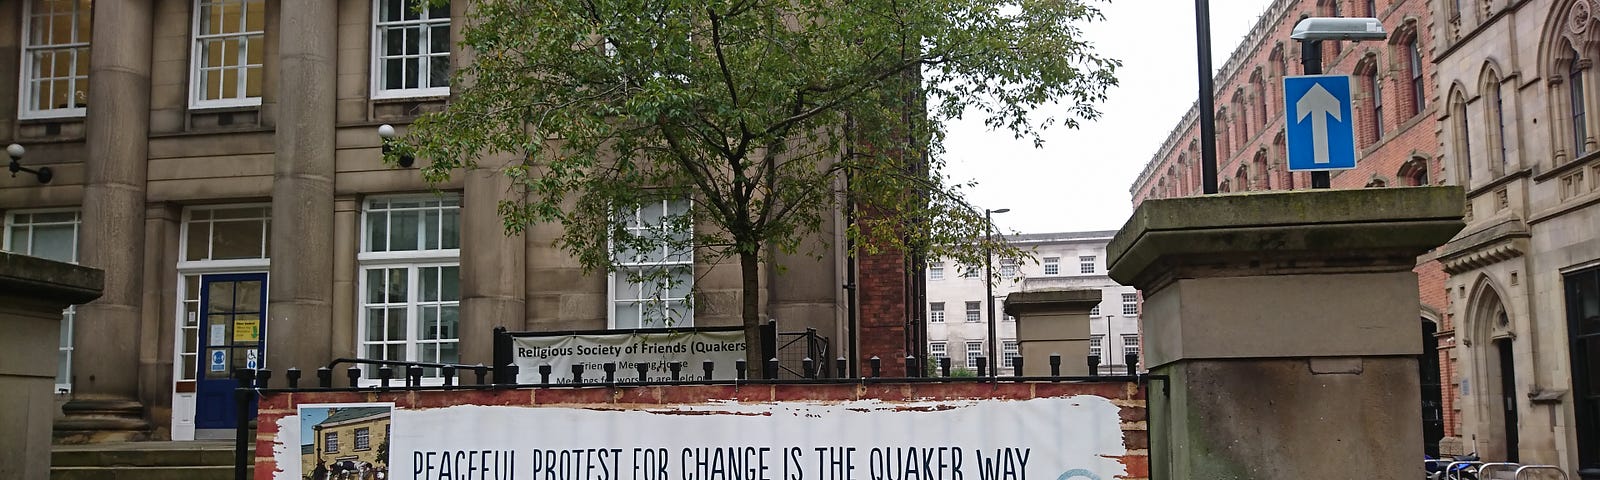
[(1338, 28), (16, 151), (1000, 210), (386, 131)]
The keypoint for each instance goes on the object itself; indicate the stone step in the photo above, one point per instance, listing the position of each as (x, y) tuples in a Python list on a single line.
[(206, 472), (144, 454)]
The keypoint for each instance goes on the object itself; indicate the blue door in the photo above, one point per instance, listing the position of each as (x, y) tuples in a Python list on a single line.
[(232, 336)]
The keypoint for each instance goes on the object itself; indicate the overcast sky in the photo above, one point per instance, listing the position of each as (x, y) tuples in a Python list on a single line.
[(1080, 179)]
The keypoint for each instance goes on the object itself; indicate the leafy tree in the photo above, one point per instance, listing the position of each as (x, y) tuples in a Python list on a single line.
[(768, 115)]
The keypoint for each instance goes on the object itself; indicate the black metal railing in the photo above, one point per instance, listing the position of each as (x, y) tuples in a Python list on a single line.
[(804, 355)]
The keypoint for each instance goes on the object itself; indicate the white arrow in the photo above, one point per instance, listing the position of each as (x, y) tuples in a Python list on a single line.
[(1317, 103)]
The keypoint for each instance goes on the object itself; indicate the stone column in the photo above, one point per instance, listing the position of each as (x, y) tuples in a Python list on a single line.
[(33, 291), (106, 386), (493, 265), (1053, 322), (1283, 327), (300, 292), (158, 325)]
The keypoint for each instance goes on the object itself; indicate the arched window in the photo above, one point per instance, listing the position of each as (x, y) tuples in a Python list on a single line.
[(1280, 156), (1241, 179), (1260, 90), (1368, 70), (1259, 165), (1223, 188), (1495, 124), (1574, 100), (1196, 175), (1414, 173), (1414, 70), (1243, 114), (1280, 65), (1222, 135), (1372, 8), (1461, 143)]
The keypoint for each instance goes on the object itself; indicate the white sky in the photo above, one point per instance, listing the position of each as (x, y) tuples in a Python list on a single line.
[(1080, 179)]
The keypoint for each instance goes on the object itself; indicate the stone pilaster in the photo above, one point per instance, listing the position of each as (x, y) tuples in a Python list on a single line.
[(346, 241), (300, 292), (493, 284), (1283, 327), (106, 386)]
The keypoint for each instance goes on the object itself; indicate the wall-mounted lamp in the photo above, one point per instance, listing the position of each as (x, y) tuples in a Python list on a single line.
[(16, 151), (386, 132)]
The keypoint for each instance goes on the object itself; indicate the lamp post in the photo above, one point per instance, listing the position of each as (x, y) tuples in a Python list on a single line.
[(1311, 32), (1208, 115), (988, 281)]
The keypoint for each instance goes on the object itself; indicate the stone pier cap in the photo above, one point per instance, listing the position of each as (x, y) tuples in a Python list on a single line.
[(23, 276), (1282, 233)]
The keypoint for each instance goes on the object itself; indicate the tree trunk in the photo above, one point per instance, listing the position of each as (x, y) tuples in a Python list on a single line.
[(750, 288)]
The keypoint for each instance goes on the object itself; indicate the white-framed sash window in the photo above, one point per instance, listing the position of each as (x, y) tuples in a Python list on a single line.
[(410, 281), (229, 51), (411, 49), (55, 58), (654, 276)]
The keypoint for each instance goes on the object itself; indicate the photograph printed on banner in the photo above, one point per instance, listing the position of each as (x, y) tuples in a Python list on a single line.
[(345, 441)]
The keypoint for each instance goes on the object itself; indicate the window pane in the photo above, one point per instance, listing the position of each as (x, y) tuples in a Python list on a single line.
[(430, 283), (375, 325), (449, 319), (391, 10), (396, 286), (55, 242), (396, 325), (378, 232), (411, 66), (428, 327), (237, 239), (221, 297), (627, 315), (404, 232), (393, 77), (255, 16), (450, 284), (439, 71), (439, 39)]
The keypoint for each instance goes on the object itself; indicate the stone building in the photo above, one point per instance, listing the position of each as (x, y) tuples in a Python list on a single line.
[(1516, 81), (1395, 104), (958, 318), (350, 439), (219, 160)]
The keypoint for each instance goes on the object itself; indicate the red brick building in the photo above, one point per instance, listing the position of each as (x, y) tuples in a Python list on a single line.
[(1397, 136)]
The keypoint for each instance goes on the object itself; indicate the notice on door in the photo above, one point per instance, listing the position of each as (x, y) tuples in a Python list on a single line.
[(247, 330), (219, 334)]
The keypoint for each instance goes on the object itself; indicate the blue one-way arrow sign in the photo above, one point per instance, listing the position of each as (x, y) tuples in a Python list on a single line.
[(1321, 130)]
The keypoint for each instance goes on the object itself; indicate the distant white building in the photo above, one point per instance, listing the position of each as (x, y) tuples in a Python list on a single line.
[(958, 316)]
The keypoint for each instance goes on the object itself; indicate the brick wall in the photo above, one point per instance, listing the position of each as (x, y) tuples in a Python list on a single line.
[(882, 298), (1128, 397)]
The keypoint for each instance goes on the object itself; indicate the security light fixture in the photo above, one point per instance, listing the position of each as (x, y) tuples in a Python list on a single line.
[(386, 132), (16, 151), (1338, 28)]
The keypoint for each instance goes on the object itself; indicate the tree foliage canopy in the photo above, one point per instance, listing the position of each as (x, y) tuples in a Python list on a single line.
[(770, 115)]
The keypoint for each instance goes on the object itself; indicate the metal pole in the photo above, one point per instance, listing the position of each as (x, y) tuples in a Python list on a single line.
[(988, 272), (1208, 120), (1311, 64)]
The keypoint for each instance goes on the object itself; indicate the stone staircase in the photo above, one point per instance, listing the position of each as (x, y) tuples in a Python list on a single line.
[(198, 460)]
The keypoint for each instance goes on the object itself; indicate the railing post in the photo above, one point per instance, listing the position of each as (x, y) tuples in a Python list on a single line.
[(577, 374), (544, 374), (808, 367), (676, 368), (354, 374), (510, 371), (384, 374), (644, 371), (876, 365), (263, 378), (324, 377), (983, 366), (241, 428), (293, 374), (709, 367), (449, 373), (944, 367), (1094, 365), (501, 354), (1055, 365), (772, 368), (1016, 366), (911, 366), (739, 366), (611, 372), (413, 376), (841, 367), (1132, 360), (482, 372)]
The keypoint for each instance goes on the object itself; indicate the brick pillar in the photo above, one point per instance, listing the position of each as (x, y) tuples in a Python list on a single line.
[(882, 286)]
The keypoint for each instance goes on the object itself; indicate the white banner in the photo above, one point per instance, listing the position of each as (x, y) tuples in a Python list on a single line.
[(657, 350), (1069, 438)]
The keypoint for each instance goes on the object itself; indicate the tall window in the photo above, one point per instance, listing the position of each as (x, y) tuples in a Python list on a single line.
[(363, 438), (937, 350), (655, 267), (1052, 265), (1086, 264), (330, 442), (410, 279), (1095, 342), (969, 271), (974, 350), (1008, 268), (1463, 136), (1130, 346), (1011, 349), (1130, 304), (936, 271), (1497, 134), (1583, 330), (55, 58), (973, 312), (936, 312), (1375, 86), (229, 46), (1414, 54), (412, 53), (49, 234), (1575, 102)]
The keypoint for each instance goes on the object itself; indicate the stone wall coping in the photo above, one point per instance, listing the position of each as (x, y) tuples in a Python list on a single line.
[(1384, 227), (1057, 300), (22, 275)]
